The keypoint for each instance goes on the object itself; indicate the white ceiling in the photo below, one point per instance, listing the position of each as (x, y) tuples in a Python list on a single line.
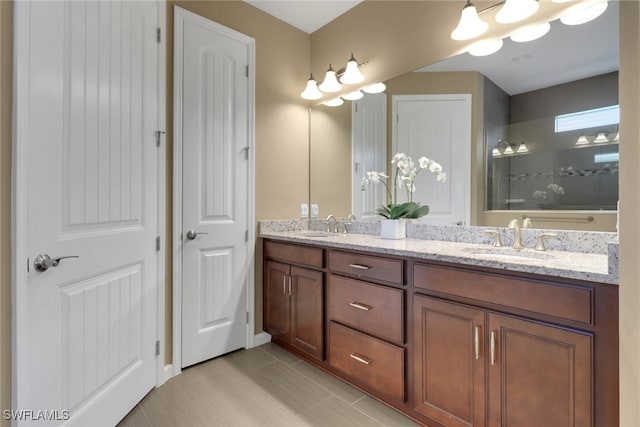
[(306, 15), (565, 54)]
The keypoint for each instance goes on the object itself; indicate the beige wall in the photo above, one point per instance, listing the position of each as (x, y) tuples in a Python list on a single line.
[(629, 211), (5, 204)]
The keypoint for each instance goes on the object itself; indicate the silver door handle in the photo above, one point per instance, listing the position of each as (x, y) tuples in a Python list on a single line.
[(192, 234), (43, 262)]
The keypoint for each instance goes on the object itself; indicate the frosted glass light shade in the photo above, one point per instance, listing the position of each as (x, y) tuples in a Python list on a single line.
[(311, 92), (485, 47), (516, 10), (352, 74), (530, 32), (375, 88), (600, 138), (470, 24), (508, 150), (335, 102), (582, 14), (522, 149), (582, 140), (617, 138), (353, 96), (330, 83), (495, 153)]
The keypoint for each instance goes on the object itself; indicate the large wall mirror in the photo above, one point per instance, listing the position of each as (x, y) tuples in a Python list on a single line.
[(543, 131)]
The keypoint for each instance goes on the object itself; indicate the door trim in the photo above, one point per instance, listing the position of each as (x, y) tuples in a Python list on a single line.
[(19, 200), (179, 16)]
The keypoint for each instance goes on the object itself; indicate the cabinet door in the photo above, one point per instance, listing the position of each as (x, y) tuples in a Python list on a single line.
[(539, 375), (449, 362), (307, 311), (277, 306)]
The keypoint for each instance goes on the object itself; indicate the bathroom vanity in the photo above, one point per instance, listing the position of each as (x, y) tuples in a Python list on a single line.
[(449, 333)]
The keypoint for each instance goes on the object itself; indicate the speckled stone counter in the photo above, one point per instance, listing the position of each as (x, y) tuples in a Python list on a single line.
[(580, 265)]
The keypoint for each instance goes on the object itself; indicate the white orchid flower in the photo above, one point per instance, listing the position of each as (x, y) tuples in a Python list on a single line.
[(435, 167), (397, 157), (424, 162), (441, 177)]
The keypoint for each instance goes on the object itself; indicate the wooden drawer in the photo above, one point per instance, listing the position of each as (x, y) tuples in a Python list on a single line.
[(374, 309), (295, 254), (561, 301), (367, 266), (369, 361)]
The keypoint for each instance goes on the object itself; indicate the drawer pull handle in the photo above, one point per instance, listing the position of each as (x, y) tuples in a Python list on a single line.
[(284, 284), (476, 342), (493, 348), (360, 306), (359, 266), (361, 359)]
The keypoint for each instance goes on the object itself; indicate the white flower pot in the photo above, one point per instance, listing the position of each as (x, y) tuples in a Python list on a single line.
[(393, 228)]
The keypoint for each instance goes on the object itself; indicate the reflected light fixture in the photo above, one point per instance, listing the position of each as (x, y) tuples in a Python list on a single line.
[(582, 140), (353, 96), (530, 32), (375, 88), (330, 83), (516, 10), (617, 138), (522, 148), (485, 47), (311, 92), (583, 13), (352, 74), (470, 24), (508, 150), (496, 153), (601, 138), (335, 102)]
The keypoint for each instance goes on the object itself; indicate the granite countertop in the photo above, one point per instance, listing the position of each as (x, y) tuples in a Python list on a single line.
[(593, 267)]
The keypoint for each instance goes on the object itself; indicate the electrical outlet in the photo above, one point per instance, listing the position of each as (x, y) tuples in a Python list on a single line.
[(315, 211), (304, 210)]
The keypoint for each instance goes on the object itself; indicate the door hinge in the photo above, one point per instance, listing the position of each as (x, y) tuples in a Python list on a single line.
[(246, 235), (158, 34), (246, 152), (27, 264), (247, 317), (159, 133), (356, 106), (157, 348), (158, 244), (246, 71)]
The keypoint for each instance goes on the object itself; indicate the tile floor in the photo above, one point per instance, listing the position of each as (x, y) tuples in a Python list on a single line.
[(263, 386)]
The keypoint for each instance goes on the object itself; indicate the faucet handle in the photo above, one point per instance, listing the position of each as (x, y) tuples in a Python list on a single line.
[(513, 223), (540, 246), (497, 243), (527, 223)]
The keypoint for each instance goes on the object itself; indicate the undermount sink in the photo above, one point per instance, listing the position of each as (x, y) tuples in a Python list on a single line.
[(505, 254)]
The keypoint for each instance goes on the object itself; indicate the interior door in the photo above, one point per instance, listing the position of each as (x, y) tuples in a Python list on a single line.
[(215, 144), (87, 113), (438, 127), (369, 135)]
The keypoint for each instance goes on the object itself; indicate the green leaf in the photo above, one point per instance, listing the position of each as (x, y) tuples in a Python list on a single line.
[(403, 210)]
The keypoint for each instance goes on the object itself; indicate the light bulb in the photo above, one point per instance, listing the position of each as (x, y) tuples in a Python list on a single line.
[(335, 102), (352, 74), (311, 92), (485, 47), (470, 24), (375, 88), (353, 96), (516, 10), (584, 13), (330, 83)]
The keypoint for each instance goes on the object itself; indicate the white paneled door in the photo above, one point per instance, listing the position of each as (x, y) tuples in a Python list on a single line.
[(438, 127), (87, 109), (212, 130)]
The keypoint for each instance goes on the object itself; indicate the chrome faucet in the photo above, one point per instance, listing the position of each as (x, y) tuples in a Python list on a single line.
[(517, 235), (331, 218), (347, 223)]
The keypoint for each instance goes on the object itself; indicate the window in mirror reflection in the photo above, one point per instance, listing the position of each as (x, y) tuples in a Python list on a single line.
[(557, 149)]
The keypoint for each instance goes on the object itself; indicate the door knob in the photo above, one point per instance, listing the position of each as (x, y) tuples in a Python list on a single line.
[(192, 234), (43, 262)]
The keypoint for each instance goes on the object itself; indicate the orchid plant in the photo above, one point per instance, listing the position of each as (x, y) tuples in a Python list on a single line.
[(406, 171)]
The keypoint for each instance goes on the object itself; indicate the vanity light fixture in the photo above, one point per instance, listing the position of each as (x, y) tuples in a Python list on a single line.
[(584, 12), (522, 149), (600, 138), (508, 150), (335, 102), (485, 47), (470, 24), (352, 74), (375, 88), (582, 140), (496, 153), (617, 138), (311, 92), (530, 32), (330, 83), (516, 10), (353, 96)]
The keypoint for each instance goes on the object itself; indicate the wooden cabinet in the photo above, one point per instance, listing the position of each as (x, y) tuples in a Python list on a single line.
[(537, 375), (294, 300)]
